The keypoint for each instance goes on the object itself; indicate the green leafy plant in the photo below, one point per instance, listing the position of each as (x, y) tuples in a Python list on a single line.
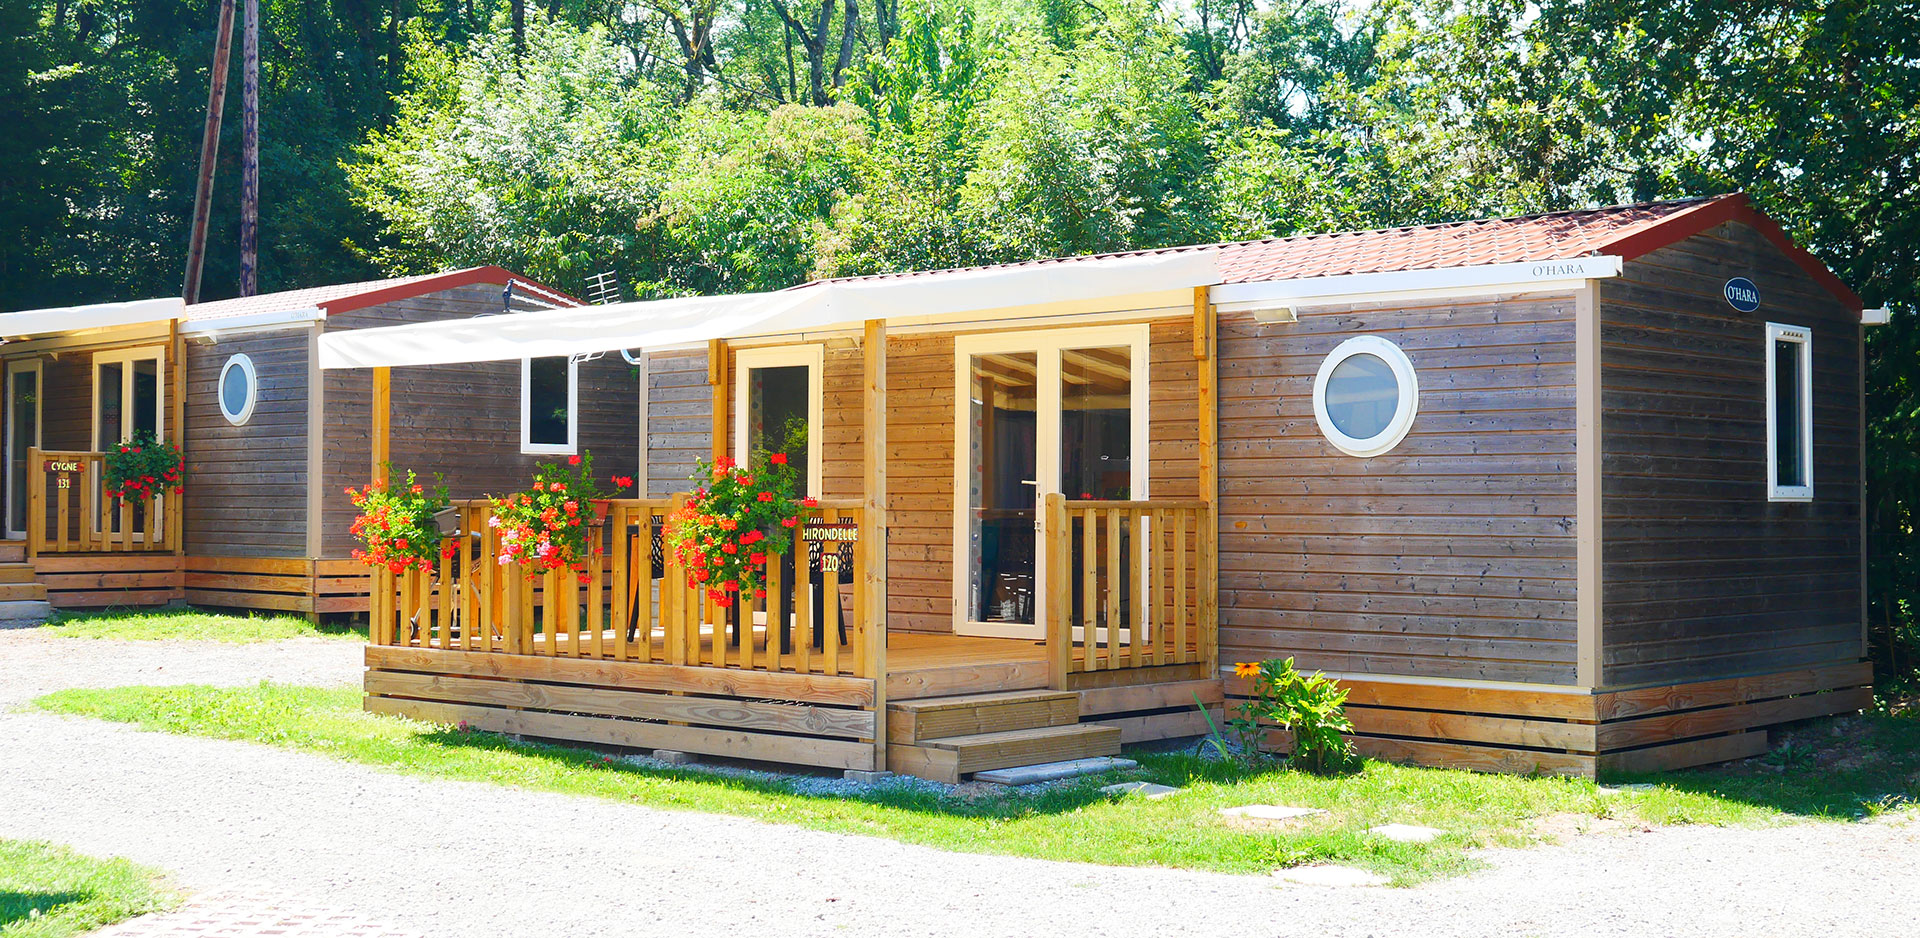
[(549, 527), (1310, 706), (734, 522), (395, 525), (143, 467)]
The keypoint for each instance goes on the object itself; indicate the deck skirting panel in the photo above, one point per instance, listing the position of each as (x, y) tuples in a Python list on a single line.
[(1556, 732)]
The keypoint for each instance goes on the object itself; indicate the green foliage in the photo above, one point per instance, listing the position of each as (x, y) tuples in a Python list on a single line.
[(191, 625), (1310, 706), (49, 891)]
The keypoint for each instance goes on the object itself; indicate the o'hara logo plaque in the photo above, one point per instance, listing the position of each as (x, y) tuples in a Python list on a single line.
[(1743, 295), (64, 468)]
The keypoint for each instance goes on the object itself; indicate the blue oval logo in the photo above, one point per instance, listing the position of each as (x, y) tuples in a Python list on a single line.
[(1743, 295)]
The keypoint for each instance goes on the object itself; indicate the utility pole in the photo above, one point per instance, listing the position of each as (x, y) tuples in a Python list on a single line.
[(250, 150), (209, 151)]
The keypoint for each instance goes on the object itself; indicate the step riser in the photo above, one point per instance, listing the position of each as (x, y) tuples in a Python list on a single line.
[(910, 728), (949, 760), (15, 573), (22, 592)]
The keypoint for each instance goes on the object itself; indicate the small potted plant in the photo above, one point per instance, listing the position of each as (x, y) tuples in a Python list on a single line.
[(553, 525), (396, 525), (734, 521), (144, 467)]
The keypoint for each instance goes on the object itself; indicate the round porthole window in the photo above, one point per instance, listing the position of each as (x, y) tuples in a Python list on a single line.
[(1365, 395), (239, 389)]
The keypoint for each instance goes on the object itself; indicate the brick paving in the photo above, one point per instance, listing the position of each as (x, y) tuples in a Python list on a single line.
[(256, 912)]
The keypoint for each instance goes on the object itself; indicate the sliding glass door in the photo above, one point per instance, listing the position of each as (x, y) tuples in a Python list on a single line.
[(1040, 412)]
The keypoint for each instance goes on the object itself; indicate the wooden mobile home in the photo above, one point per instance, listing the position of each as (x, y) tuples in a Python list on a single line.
[(270, 441), (1569, 493)]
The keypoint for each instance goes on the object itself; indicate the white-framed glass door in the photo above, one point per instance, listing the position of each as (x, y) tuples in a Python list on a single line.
[(1059, 410), (129, 395), (777, 408), (23, 377)]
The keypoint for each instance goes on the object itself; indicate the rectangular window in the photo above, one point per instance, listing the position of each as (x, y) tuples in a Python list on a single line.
[(549, 399), (1789, 413)]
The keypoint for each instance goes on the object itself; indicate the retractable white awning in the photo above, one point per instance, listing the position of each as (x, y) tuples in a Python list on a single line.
[(693, 320), (95, 316)]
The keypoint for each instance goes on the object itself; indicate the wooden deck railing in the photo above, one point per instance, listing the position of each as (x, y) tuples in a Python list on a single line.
[(1129, 585), (635, 605), (67, 513)]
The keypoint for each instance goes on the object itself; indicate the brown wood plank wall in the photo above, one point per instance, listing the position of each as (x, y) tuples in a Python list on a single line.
[(1451, 555), (461, 420), (249, 483), (679, 420), (1704, 576)]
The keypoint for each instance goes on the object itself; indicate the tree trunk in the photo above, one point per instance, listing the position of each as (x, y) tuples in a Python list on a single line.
[(519, 27), (849, 31)]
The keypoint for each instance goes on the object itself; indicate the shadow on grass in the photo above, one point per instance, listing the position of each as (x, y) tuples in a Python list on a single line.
[(17, 906), (1844, 768), (901, 793)]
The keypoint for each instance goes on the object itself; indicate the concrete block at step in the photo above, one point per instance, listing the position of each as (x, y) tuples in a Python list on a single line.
[(673, 756), (1327, 874), (1143, 789), (1053, 771), (865, 777), (1406, 833), (1271, 812), (24, 613)]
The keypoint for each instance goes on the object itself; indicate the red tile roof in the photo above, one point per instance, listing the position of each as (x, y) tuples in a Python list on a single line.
[(341, 297), (1624, 230)]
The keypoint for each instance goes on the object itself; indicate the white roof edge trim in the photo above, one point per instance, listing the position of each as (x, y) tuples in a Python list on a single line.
[(820, 306), (1876, 317), (283, 317), (1280, 295), (92, 316)]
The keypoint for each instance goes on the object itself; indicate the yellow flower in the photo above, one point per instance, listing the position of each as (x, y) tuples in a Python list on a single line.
[(1246, 669)]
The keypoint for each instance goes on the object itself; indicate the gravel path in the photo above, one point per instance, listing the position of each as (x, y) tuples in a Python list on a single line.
[(465, 859)]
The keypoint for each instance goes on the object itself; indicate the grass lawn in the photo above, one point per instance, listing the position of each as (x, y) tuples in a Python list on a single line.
[(48, 891), (1070, 822), (198, 624)]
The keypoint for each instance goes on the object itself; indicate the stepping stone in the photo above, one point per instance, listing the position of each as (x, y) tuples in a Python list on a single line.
[(1271, 812), (1605, 791), (1053, 771), (1143, 789), (1406, 833), (1326, 874)]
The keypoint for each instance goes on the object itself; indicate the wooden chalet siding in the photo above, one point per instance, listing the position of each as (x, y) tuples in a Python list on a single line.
[(248, 495), (66, 401), (460, 420), (679, 420), (1452, 556), (1704, 577)]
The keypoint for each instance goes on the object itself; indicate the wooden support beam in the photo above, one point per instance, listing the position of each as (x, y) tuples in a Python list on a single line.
[(381, 437), (873, 540), (1206, 349), (176, 505), (717, 379)]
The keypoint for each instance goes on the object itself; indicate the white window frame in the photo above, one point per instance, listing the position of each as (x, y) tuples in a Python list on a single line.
[(1049, 344), (572, 445), (243, 362), (814, 358), (14, 367), (1803, 338), (1407, 408)]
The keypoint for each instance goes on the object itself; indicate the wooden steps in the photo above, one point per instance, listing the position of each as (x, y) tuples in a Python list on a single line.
[(13, 551), (917, 721), (17, 584), (947, 738)]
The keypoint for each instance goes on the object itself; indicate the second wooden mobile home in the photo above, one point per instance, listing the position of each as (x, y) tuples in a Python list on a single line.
[(1565, 493)]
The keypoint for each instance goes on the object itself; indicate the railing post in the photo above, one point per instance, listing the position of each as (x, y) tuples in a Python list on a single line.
[(36, 501), (1056, 533)]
